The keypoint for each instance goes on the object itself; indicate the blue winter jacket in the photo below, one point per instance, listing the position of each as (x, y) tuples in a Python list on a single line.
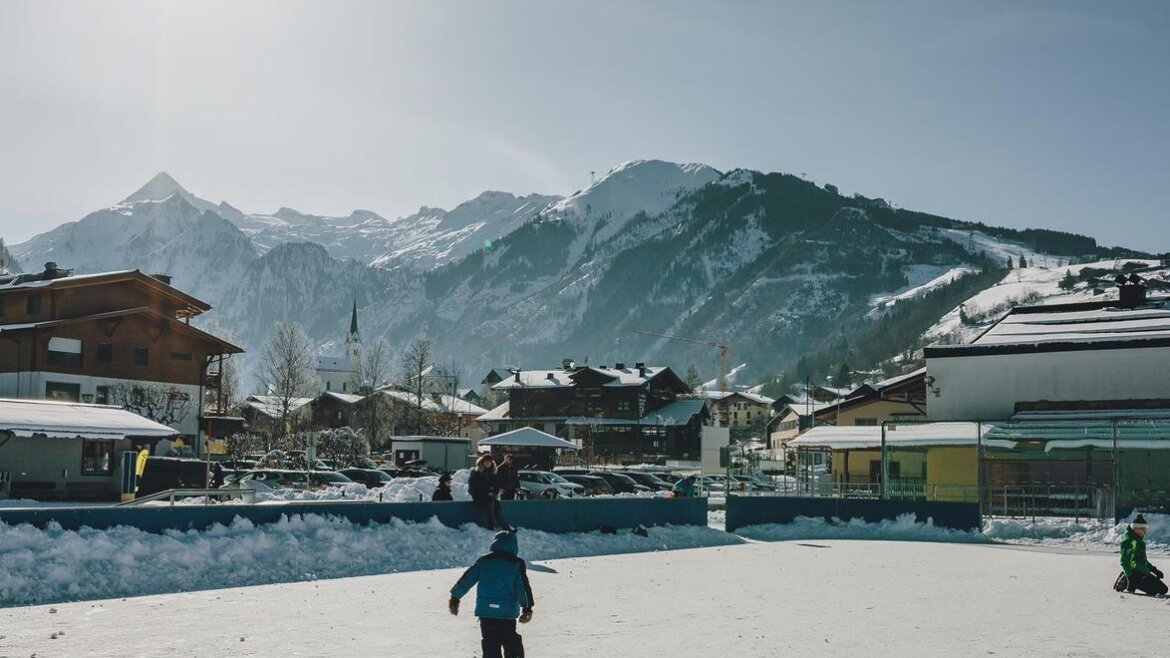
[(503, 581)]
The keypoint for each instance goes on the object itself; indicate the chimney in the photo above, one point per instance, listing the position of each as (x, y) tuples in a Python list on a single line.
[(517, 375), (1131, 291), (619, 366), (165, 278), (567, 364), (550, 377), (641, 368), (54, 272)]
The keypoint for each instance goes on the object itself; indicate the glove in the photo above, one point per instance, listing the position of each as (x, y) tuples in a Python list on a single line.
[(453, 605), (1157, 572), (526, 616)]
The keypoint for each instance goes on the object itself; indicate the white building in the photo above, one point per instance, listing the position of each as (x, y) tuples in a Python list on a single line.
[(1107, 354), (341, 374)]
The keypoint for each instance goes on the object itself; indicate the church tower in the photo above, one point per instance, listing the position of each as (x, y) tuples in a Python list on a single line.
[(353, 342)]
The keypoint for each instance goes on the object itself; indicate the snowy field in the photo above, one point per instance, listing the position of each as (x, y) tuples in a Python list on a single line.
[(799, 598)]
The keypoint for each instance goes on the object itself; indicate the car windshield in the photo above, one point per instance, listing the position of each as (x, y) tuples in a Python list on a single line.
[(556, 478), (624, 479), (331, 477)]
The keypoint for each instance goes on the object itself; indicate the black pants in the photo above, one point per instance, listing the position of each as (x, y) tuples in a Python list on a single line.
[(500, 634), (507, 494), (489, 515), (1147, 583)]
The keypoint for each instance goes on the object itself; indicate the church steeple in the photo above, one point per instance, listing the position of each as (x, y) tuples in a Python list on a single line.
[(354, 336), (353, 342)]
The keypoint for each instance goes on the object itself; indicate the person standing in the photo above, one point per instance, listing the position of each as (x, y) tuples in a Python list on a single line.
[(508, 479), (1137, 570), (217, 476), (443, 491), (503, 594), (482, 487)]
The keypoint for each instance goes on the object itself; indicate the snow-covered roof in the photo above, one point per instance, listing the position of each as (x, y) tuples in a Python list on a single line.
[(679, 412), (904, 435), (347, 398), (269, 405), (620, 377), (1067, 326), (723, 395), (68, 420), (499, 413), (334, 364), (1148, 433), (437, 403), (527, 437)]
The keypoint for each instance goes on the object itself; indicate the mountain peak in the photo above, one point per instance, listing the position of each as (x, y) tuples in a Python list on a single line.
[(157, 189)]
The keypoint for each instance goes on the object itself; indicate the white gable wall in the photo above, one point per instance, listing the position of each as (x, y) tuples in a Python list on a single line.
[(988, 387)]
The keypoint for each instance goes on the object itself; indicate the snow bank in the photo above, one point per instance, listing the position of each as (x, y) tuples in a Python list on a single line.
[(52, 565), (1056, 532), (904, 528), (398, 490)]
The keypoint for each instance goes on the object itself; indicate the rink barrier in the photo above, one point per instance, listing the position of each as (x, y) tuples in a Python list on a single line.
[(558, 516), (757, 510)]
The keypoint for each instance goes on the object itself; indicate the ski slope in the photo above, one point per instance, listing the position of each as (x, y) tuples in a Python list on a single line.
[(793, 598)]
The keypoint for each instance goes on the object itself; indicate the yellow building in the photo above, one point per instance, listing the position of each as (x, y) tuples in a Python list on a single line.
[(935, 461), (897, 398)]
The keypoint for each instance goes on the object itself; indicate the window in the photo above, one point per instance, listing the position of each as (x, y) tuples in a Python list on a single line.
[(865, 422), (102, 395), (97, 457), (105, 353), (63, 391), (33, 304), (328, 386), (181, 356), (141, 355), (64, 352)]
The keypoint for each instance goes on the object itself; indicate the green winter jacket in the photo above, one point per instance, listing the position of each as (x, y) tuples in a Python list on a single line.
[(1133, 554)]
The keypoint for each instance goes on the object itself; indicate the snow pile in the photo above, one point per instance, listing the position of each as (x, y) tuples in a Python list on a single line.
[(904, 528), (1054, 532), (44, 566), (1087, 534)]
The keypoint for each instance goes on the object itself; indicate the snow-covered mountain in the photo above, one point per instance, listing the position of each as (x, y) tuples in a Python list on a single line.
[(779, 267)]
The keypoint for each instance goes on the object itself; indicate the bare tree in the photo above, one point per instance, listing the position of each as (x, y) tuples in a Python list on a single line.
[(377, 414), (415, 361), (287, 368), (342, 445), (242, 444), (375, 368), (163, 404)]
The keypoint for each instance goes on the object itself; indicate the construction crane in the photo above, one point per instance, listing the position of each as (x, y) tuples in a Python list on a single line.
[(724, 351)]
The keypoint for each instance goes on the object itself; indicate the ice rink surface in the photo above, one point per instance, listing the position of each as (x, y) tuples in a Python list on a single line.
[(798, 598)]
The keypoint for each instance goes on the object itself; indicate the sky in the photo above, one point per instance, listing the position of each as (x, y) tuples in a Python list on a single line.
[(1022, 114)]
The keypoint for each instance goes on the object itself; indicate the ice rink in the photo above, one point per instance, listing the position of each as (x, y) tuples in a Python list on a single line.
[(798, 598)]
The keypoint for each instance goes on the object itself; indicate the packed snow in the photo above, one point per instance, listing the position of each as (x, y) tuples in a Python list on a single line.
[(826, 597)]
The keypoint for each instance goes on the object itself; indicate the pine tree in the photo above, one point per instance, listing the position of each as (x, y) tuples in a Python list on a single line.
[(1009, 262), (844, 377), (1023, 263), (694, 379), (1069, 281)]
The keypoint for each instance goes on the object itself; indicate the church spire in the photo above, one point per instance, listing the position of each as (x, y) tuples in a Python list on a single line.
[(353, 328)]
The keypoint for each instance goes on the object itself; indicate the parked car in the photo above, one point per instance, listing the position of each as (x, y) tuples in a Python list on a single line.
[(371, 477), (540, 484), (594, 486), (754, 483), (364, 462), (272, 479), (620, 483), (299, 458), (326, 479), (649, 480)]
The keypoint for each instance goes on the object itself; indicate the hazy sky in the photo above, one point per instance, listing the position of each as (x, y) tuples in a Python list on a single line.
[(1052, 114)]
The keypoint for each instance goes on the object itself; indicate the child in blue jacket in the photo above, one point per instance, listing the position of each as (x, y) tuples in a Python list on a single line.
[(503, 594)]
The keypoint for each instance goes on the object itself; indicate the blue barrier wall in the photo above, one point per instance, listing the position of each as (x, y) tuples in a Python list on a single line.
[(580, 515), (755, 510)]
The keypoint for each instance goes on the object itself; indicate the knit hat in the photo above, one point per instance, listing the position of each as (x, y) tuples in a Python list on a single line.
[(1139, 522), (446, 477)]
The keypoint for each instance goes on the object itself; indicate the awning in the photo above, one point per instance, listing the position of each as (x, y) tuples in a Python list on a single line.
[(527, 437), (71, 420), (902, 435)]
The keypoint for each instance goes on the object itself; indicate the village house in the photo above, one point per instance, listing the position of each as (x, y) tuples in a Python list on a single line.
[(894, 399), (622, 412), (745, 414), (120, 338)]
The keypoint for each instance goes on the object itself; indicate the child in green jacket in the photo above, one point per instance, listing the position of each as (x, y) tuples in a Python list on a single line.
[(1137, 572)]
